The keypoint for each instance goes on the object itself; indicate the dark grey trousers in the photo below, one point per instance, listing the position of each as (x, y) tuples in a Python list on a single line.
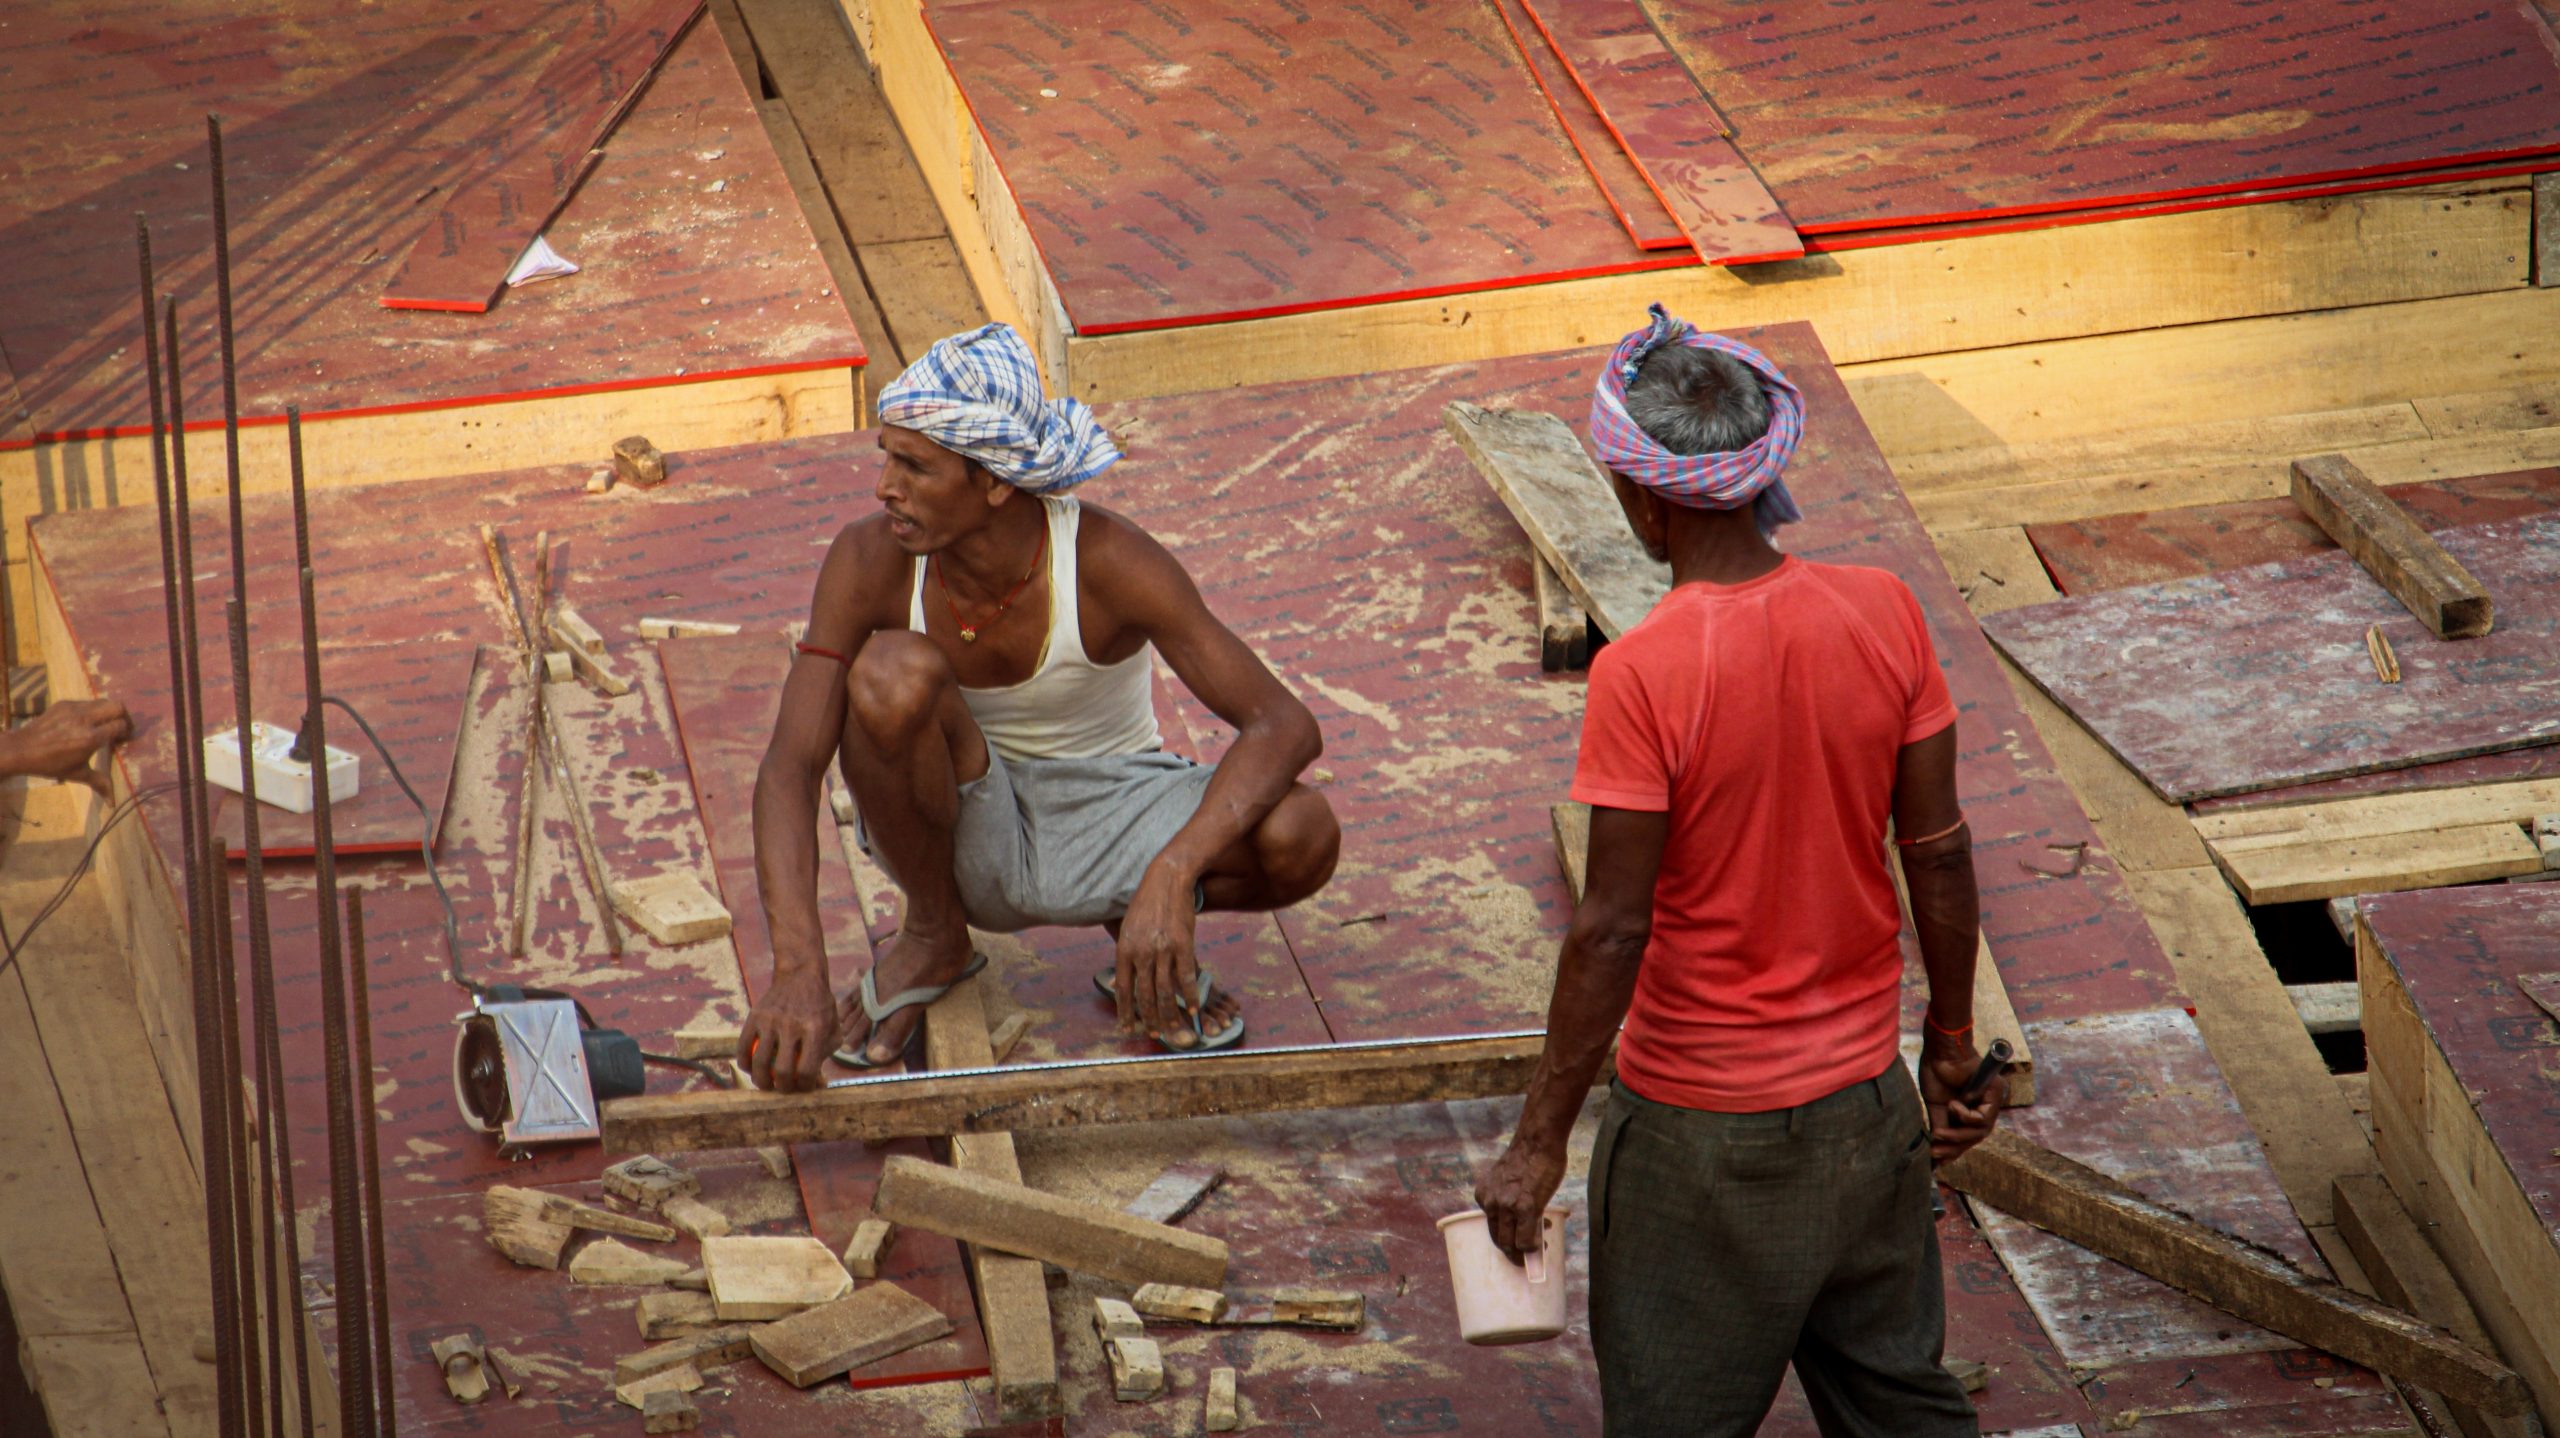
[(1725, 1246)]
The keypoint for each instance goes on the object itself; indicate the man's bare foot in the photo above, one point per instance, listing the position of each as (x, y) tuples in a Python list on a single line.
[(910, 961), (1222, 1010)]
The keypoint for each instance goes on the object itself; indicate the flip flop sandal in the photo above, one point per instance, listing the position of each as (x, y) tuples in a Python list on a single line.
[(857, 1056), (1106, 983)]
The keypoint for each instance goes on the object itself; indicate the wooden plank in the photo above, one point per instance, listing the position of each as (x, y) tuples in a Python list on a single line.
[(2546, 229), (1557, 492), (2367, 816), (1079, 1237), (879, 192), (2407, 1274), (1564, 631), (2283, 1086), (2380, 864), (93, 1385), (2325, 1008), (755, 1277), (561, 1209), (841, 1336), (701, 1350), (2087, 1207), (2401, 557), (1064, 1095), (1572, 823), (1980, 461), (833, 247), (1013, 1293), (1998, 570), (922, 289), (54, 1256)]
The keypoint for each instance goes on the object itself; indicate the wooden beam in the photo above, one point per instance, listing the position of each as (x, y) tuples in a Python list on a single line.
[(1564, 631), (1013, 1293), (2407, 1274), (1068, 1095), (2087, 1207), (2382, 863), (2402, 557), (1557, 492), (1078, 1237)]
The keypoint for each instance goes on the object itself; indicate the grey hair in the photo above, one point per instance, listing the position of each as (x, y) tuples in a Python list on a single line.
[(1697, 401)]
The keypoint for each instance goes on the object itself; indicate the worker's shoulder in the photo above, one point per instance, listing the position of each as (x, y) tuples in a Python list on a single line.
[(1864, 585), (1109, 543), (864, 559)]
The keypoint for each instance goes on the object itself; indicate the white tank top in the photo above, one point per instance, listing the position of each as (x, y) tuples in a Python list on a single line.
[(1070, 707)]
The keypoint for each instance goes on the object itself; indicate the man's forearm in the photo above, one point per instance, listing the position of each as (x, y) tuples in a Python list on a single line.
[(786, 827), (1946, 914), (1595, 982), (1247, 784)]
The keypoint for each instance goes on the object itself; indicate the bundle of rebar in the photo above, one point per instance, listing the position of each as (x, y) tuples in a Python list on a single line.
[(245, 1158)]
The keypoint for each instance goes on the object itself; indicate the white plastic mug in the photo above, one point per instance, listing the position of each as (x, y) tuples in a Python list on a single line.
[(1500, 1301)]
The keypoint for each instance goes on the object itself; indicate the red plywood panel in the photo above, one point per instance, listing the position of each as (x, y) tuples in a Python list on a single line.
[(499, 199), (1866, 113), (1664, 123), (339, 125), (1622, 183), (2256, 678), (1258, 157)]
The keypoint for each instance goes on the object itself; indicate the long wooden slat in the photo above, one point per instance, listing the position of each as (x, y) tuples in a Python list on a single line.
[(1067, 1095), (2079, 1203), (2400, 556), (1556, 491), (2383, 863), (1078, 1237), (2407, 1274), (1013, 1295), (2282, 826)]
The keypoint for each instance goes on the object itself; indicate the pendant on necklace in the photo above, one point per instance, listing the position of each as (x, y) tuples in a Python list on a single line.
[(968, 635)]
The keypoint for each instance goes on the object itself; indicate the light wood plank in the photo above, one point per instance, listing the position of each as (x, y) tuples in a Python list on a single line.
[(2087, 1207), (923, 290), (2325, 1008), (2284, 1089), (2402, 557), (1079, 1237), (1572, 823), (2518, 802), (844, 1335), (1556, 491), (2384, 863), (92, 1385), (54, 1257), (879, 192), (1981, 461)]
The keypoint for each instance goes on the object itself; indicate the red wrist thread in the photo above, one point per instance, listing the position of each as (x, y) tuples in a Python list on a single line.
[(1931, 1020)]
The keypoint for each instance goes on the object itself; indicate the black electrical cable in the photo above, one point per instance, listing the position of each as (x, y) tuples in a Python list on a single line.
[(79, 871), (426, 848)]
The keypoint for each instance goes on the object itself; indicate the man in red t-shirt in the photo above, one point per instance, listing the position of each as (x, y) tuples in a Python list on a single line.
[(1760, 1188)]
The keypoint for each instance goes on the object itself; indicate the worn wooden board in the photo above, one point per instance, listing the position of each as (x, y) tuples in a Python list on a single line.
[(2258, 678), (2382, 863), (2391, 546), (1664, 123), (1565, 504)]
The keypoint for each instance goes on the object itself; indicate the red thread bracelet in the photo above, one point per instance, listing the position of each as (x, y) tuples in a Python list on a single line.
[(1936, 1028), (1926, 838), (824, 654)]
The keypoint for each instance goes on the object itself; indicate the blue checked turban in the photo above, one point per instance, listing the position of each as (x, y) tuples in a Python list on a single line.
[(978, 395)]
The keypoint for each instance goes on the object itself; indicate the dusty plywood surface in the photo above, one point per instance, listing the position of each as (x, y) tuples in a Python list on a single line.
[(2258, 678)]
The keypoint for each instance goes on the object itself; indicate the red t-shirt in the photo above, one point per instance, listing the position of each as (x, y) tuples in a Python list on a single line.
[(1767, 719)]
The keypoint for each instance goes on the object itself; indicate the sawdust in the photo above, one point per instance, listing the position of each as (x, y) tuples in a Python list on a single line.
[(1353, 701), (2248, 126)]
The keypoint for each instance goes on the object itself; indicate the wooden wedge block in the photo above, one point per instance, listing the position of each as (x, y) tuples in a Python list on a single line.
[(2077, 1202), (465, 1365), (556, 668), (714, 1348), (1113, 1318), (669, 1411), (1183, 1305), (684, 628), (776, 1159), (869, 1244), (1973, 1376), (674, 1314), (597, 671), (570, 630), (1079, 1237), (693, 1217), (2400, 555), (561, 1209), (839, 1337), (513, 1220), (683, 1378), (1175, 1192), (637, 461), (1219, 1408), (674, 908), (648, 1181), (760, 1278), (611, 1262), (1137, 1369), (1002, 1038), (691, 1281)]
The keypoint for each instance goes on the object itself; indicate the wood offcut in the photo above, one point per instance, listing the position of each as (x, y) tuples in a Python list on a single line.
[(2402, 557), (838, 1337), (1012, 1218)]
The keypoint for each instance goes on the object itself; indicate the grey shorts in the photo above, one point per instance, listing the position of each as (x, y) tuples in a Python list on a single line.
[(1065, 841)]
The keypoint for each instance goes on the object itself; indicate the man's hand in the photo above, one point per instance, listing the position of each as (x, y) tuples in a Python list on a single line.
[(790, 1032), (1946, 1066), (1157, 985), (58, 743), (1515, 1191)]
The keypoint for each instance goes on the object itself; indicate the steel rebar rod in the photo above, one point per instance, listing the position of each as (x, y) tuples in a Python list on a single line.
[(244, 1233), (210, 1138), (555, 752), (350, 1276), (386, 1418)]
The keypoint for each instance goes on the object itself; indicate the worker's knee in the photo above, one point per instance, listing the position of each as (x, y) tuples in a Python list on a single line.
[(1298, 844), (895, 684)]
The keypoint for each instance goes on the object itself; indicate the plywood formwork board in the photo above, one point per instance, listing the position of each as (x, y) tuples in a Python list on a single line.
[(1623, 184), (2257, 678), (2457, 1053), (60, 1273), (93, 1385), (884, 361), (1904, 301), (336, 129)]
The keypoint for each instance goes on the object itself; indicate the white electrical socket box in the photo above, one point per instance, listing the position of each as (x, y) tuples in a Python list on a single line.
[(283, 780)]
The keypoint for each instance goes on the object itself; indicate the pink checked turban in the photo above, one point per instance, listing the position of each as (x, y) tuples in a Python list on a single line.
[(1728, 480)]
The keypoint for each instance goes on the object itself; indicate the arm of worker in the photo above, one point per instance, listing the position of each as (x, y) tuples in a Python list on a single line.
[(1276, 739), (1595, 982), (61, 742), (794, 1023), (1937, 870)]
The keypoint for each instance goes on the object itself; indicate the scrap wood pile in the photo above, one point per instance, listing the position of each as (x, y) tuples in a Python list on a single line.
[(809, 1314)]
